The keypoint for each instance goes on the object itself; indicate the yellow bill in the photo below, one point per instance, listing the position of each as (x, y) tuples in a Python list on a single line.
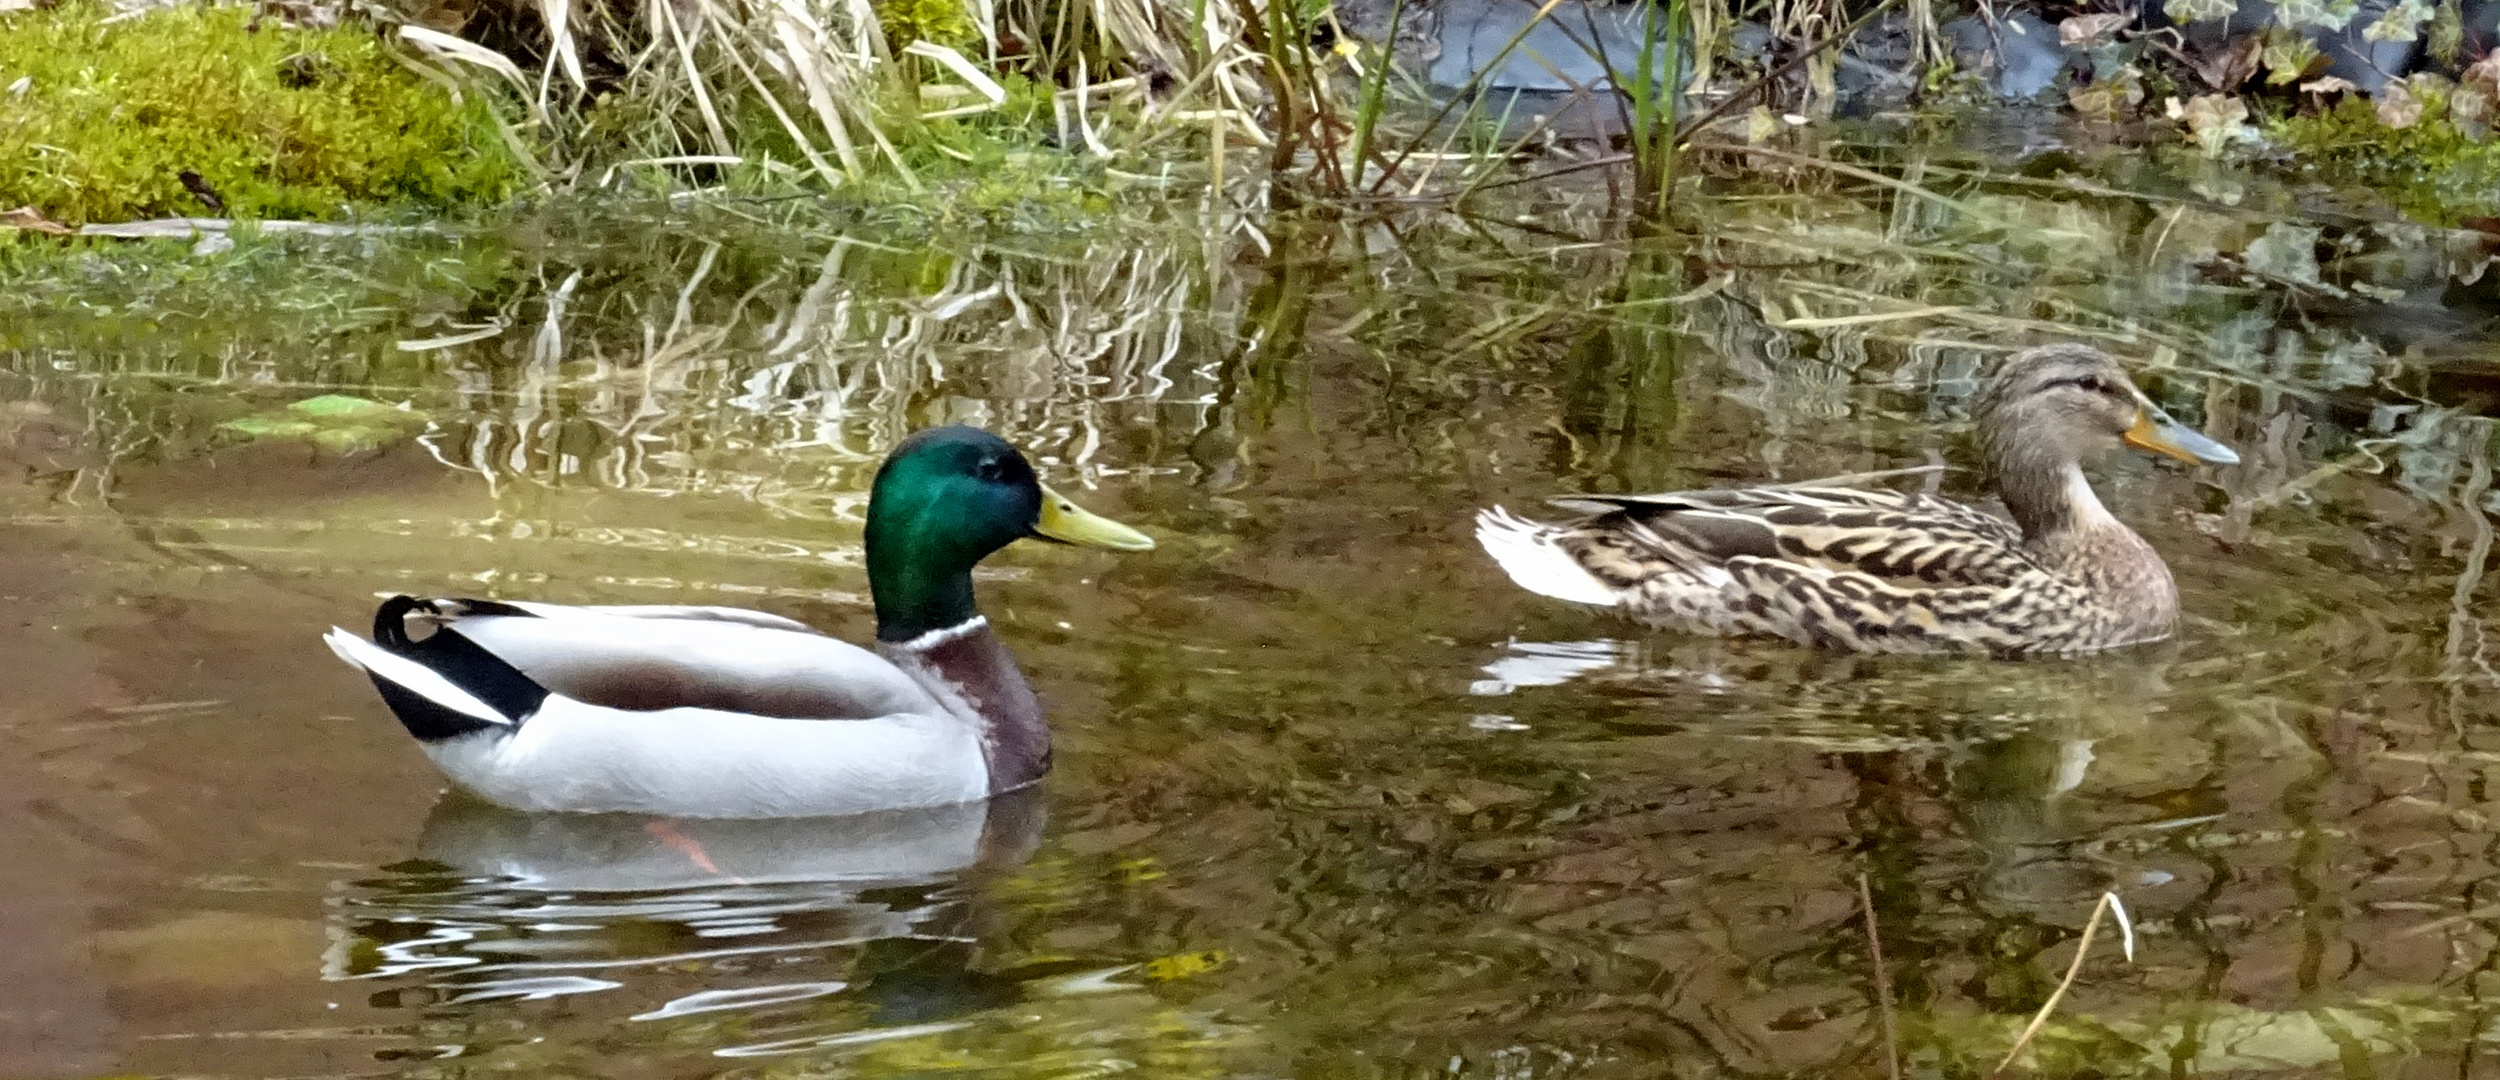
[(1069, 523), (2154, 430)]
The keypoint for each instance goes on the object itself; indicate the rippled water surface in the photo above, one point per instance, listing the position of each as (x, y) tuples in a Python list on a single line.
[(1333, 798)]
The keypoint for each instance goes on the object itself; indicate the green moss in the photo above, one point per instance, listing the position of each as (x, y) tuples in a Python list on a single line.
[(2431, 169), (942, 21), (277, 122)]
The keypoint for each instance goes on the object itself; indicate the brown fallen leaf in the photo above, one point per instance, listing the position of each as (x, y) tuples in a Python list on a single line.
[(2231, 66), (32, 220), (2085, 31), (2474, 104), (2484, 73)]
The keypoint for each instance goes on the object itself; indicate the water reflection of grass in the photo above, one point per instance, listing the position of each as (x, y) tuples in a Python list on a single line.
[(688, 366)]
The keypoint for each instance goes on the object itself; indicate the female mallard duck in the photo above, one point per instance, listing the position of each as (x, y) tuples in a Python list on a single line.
[(718, 712), (1890, 571)]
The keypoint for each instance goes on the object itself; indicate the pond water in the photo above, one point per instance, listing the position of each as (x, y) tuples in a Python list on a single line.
[(1333, 798)]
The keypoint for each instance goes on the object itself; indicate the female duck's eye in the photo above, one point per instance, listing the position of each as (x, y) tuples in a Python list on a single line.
[(2090, 384)]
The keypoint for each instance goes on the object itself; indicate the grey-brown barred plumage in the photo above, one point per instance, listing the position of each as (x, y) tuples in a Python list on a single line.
[(1886, 571)]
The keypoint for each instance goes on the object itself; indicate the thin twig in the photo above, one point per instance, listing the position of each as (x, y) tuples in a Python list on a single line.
[(2082, 948), (1607, 161), (1883, 982)]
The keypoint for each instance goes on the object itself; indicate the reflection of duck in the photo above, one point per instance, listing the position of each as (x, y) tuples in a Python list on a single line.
[(639, 853), (1888, 571), (501, 904), (718, 712)]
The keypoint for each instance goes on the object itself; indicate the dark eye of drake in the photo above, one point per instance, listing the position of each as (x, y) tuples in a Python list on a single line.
[(990, 470)]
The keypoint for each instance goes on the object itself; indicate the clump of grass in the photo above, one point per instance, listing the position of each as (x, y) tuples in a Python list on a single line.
[(750, 96), (274, 122)]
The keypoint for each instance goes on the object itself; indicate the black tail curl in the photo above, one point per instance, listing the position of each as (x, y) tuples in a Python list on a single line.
[(463, 662), (390, 622)]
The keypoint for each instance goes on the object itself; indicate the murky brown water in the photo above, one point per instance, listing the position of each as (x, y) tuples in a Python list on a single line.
[(1334, 799)]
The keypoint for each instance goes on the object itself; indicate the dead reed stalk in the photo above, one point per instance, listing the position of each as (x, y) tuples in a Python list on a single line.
[(2109, 903), (1883, 980)]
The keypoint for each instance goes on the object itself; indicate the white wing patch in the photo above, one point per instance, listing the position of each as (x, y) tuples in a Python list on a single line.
[(1526, 551)]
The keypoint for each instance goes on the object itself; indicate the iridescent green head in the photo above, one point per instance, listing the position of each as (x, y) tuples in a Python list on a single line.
[(943, 501)]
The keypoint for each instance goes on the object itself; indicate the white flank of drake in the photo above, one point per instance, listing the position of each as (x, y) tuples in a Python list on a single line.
[(414, 677), (1526, 551), (689, 762)]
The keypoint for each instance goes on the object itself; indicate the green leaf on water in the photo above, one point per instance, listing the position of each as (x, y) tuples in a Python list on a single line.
[(2323, 14), (345, 407), (332, 421), (2401, 23), (2290, 57), (2188, 11), (2447, 32)]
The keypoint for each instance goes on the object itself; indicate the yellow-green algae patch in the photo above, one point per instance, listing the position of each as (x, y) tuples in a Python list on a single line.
[(332, 422), (99, 120)]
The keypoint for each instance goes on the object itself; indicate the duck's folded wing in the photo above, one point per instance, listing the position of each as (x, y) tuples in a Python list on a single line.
[(669, 612), (645, 661), (1912, 538)]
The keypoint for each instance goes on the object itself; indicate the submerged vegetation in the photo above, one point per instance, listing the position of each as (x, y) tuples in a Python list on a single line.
[(214, 110)]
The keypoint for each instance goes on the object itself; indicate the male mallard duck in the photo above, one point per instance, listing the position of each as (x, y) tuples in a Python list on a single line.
[(1889, 571), (719, 712)]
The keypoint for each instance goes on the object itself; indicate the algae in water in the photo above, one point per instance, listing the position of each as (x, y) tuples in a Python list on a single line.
[(332, 421)]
